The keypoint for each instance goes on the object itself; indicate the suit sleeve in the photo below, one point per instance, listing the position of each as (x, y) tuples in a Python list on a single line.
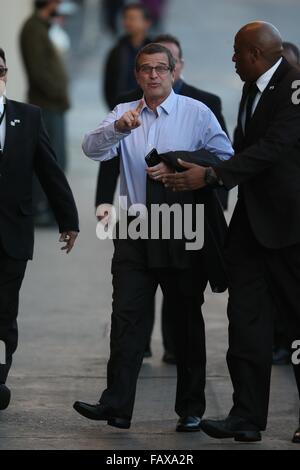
[(54, 183), (283, 133)]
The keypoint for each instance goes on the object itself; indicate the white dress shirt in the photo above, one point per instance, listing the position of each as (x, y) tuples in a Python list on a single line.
[(3, 124), (261, 83), (181, 123)]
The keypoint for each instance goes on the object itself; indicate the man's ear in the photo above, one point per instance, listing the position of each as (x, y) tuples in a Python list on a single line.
[(256, 53), (136, 76)]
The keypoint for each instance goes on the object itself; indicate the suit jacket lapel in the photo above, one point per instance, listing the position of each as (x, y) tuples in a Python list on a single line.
[(9, 128), (267, 95)]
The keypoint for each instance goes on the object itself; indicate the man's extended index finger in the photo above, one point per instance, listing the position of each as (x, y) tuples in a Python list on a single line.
[(140, 107)]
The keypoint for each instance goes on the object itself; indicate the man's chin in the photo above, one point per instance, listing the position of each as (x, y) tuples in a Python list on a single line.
[(240, 74), (154, 93)]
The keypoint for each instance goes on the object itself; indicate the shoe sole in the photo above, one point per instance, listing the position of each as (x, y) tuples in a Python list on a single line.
[(241, 436), (188, 430), (119, 423)]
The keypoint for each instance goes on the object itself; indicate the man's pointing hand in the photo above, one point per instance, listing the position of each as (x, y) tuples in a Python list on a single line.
[(130, 119)]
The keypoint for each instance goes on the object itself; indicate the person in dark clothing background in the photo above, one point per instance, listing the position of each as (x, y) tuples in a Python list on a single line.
[(291, 53), (109, 170), (111, 13), (47, 88), (118, 73), (157, 10)]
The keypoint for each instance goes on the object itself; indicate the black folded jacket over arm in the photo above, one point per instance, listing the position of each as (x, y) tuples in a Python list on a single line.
[(210, 259), (200, 157)]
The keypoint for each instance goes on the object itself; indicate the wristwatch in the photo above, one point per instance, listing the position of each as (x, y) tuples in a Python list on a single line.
[(211, 178)]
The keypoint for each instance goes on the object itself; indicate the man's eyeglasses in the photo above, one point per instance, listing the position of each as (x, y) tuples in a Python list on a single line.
[(3, 71), (159, 69)]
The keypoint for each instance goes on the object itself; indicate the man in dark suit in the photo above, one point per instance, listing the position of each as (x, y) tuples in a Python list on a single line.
[(281, 349), (25, 150), (263, 247), (109, 170)]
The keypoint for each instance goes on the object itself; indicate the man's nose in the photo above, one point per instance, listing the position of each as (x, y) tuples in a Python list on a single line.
[(233, 58), (153, 73)]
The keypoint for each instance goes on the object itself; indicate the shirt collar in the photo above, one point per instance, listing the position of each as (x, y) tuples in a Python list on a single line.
[(264, 79), (2, 102), (166, 105)]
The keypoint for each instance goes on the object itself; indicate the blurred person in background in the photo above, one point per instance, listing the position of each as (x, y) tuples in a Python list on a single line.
[(25, 150), (112, 9), (119, 69), (156, 9), (291, 53), (109, 170), (47, 88)]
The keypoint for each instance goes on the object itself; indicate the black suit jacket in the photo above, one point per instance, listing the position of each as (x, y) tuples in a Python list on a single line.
[(110, 169), (28, 150), (213, 102), (266, 164)]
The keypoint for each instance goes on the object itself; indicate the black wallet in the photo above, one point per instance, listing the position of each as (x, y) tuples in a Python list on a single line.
[(152, 158)]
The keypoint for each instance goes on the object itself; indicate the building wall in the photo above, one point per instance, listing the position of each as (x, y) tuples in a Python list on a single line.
[(12, 15)]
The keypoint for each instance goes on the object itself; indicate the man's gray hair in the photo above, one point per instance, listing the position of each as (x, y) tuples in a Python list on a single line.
[(154, 48)]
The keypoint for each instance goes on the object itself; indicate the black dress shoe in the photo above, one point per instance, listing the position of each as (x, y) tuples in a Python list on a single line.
[(188, 424), (296, 437), (100, 412), (233, 426), (4, 397), (147, 352), (169, 358), (281, 357)]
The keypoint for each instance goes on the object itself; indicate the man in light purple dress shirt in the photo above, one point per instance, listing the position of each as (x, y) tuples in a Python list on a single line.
[(167, 122)]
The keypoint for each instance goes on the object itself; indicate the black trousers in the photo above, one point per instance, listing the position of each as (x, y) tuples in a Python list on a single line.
[(260, 280), (167, 332), (134, 286), (11, 276)]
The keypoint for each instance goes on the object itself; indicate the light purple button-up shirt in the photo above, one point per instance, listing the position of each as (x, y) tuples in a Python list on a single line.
[(181, 123)]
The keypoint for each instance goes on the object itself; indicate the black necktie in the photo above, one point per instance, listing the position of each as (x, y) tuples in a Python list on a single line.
[(252, 92), (1, 119)]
